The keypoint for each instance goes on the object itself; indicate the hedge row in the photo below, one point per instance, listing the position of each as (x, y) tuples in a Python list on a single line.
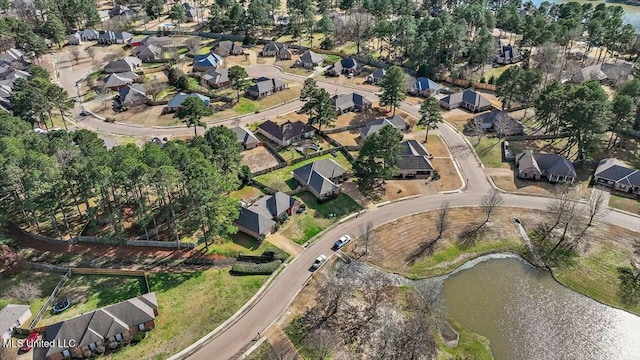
[(255, 269)]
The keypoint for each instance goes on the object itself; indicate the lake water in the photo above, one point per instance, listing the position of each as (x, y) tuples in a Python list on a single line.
[(632, 12), (527, 315)]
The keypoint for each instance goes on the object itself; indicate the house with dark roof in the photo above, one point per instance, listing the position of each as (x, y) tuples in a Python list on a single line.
[(309, 60), (264, 87), (176, 102), (468, 99), (206, 62), (376, 125), (507, 54), (11, 317), (376, 76), (280, 51), (147, 52), (116, 81), (414, 161), (83, 35), (535, 166), (276, 207), (288, 133), (215, 78), (615, 174), (254, 224), (15, 58), (120, 10), (591, 72), (246, 138), (347, 66), (424, 87), (320, 177), (74, 39), (111, 37), (103, 327), (226, 48), (191, 12), (126, 64), (609, 74), (132, 95), (500, 122), (355, 102)]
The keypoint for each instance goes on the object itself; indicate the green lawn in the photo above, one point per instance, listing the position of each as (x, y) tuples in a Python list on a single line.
[(237, 244), (489, 151), (332, 59), (45, 281), (248, 106), (190, 306), (282, 179), (626, 204), (90, 292), (470, 345), (205, 50)]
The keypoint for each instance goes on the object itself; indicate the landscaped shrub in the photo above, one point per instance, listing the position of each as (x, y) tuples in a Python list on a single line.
[(255, 269), (139, 336)]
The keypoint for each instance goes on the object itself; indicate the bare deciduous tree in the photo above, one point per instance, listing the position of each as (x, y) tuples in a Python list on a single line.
[(367, 236), (103, 95), (75, 54), (597, 206), (442, 219), (320, 343), (193, 44), (92, 52), (154, 87), (474, 128), (490, 203), (24, 292)]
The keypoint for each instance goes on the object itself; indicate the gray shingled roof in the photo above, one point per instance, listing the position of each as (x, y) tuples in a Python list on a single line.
[(276, 204), (272, 47), (285, 131), (468, 96), (216, 75), (147, 51), (414, 156), (131, 93), (177, 100), (500, 120), (157, 40), (103, 323), (254, 221), (346, 101), (378, 73), (119, 79), (423, 84), (553, 164), (318, 175), (376, 125), (615, 170), (265, 85), (245, 136), (309, 57)]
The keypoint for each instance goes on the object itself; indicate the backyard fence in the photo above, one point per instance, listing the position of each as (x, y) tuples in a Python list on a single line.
[(269, 169), (468, 83), (148, 243), (47, 267), (345, 128), (50, 300), (536, 137)]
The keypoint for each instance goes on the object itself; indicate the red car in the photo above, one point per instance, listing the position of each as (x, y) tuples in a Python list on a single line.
[(28, 343)]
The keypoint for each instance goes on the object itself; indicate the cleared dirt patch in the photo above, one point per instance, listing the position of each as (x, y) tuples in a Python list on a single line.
[(396, 189), (449, 179), (258, 159), (346, 138)]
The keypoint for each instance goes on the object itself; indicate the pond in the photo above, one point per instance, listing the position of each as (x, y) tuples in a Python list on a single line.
[(526, 314)]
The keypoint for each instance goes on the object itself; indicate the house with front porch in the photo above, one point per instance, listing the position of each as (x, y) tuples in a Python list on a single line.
[(553, 167), (264, 87), (288, 133), (414, 161), (616, 175), (355, 102), (468, 99), (321, 178)]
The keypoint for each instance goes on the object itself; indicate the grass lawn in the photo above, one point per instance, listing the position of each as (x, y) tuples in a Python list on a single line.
[(237, 244), (332, 59), (166, 92), (204, 50), (489, 152), (290, 152), (248, 106), (45, 281), (282, 179), (247, 192), (152, 65), (496, 72), (264, 351), (191, 305), (626, 204), (470, 345), (91, 292), (193, 84)]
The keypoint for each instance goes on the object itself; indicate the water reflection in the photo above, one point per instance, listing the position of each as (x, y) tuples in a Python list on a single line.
[(527, 315)]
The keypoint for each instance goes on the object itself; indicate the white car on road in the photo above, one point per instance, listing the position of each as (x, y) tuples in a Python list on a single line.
[(319, 261), (344, 240)]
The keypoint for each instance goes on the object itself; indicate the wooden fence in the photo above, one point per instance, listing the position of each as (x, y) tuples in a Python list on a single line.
[(468, 83), (536, 137), (345, 128)]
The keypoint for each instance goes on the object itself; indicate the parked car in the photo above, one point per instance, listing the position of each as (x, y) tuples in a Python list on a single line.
[(319, 261), (344, 240), (28, 343)]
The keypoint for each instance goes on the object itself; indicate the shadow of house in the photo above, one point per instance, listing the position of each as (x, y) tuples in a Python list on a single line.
[(288, 133), (553, 167), (265, 87), (468, 99), (499, 122), (355, 102), (246, 138), (616, 175), (414, 161), (320, 177), (113, 324)]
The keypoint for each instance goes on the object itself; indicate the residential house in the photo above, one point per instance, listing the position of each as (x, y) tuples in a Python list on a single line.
[(555, 168), (615, 174), (135, 41), (309, 60), (254, 224), (191, 12), (117, 81), (507, 54), (468, 99), (8, 74), (414, 160), (246, 138), (132, 95), (15, 58), (592, 72), (276, 207), (206, 62), (11, 317), (265, 87), (355, 102), (103, 15), (103, 327), (159, 41), (5, 96), (347, 66), (74, 39), (424, 87), (121, 10), (288, 133), (126, 64), (376, 76), (147, 53), (320, 177), (111, 37), (500, 122), (280, 51), (226, 48), (89, 35), (609, 74), (176, 102), (215, 78), (374, 126)]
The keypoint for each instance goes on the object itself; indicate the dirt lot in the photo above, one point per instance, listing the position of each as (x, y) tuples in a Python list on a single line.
[(347, 138), (449, 179), (397, 189), (258, 159), (141, 115), (457, 117), (356, 81)]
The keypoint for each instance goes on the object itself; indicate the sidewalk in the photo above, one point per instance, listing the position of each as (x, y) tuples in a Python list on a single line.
[(283, 347)]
